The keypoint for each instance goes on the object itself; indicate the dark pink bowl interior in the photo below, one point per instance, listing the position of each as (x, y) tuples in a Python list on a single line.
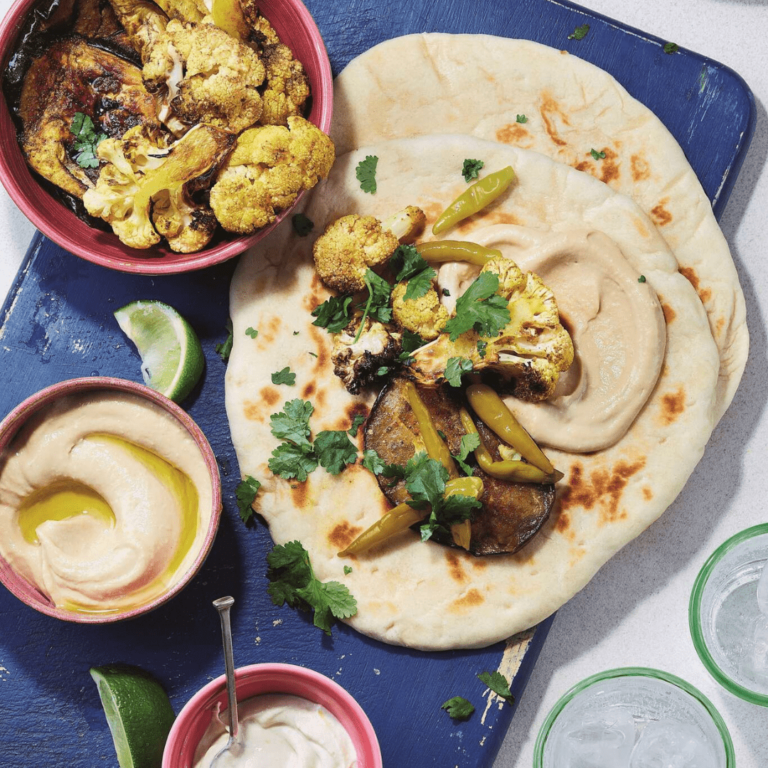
[(255, 679), (296, 29), (29, 593)]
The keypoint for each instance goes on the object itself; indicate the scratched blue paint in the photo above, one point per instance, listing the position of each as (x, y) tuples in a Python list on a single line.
[(57, 323)]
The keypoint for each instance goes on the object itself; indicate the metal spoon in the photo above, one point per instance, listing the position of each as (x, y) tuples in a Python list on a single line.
[(234, 745)]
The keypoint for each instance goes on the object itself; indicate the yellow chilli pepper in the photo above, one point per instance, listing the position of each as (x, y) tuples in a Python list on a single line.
[(435, 445), (439, 251)]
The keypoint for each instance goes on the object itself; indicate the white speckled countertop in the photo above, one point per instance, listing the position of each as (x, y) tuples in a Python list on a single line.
[(635, 611)]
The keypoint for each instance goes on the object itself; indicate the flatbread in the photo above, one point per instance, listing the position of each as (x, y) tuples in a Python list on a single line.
[(478, 84), (425, 595)]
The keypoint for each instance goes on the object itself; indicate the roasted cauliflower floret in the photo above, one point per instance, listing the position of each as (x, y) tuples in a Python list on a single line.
[(287, 86), (144, 23), (407, 224), (356, 362), (348, 248), (425, 315), (142, 170), (268, 169), (202, 75), (532, 349)]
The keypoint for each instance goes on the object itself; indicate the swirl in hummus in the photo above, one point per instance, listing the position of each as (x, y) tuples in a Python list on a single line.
[(105, 500), (614, 318)]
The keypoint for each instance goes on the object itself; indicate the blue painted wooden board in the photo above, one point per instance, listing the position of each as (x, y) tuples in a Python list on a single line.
[(57, 324)]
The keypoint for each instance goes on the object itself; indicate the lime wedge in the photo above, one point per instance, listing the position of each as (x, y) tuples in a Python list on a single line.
[(171, 356), (138, 713)]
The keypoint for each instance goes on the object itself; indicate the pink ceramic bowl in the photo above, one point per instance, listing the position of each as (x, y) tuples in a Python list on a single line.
[(296, 29), (29, 593), (252, 680)]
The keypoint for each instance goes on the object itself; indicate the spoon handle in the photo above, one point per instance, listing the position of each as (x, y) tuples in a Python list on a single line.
[(223, 605)]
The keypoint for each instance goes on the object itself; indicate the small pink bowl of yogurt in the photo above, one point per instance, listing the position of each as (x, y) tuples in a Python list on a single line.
[(296, 699)]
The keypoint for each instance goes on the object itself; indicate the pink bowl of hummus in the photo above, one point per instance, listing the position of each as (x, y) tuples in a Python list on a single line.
[(285, 713), (110, 500)]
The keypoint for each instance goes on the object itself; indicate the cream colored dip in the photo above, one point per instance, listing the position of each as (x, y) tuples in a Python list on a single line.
[(616, 322), (107, 443), (280, 730)]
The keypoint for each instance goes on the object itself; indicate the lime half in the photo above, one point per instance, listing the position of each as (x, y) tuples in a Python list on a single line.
[(171, 356), (138, 713)]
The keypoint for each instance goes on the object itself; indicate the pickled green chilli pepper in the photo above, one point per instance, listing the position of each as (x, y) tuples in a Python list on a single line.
[(439, 251)]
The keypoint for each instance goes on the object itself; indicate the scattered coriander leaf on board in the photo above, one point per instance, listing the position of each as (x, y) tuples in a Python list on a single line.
[(641, 279), (286, 376), (480, 308), (366, 173), (470, 169), (455, 368), (252, 332), (469, 443), (293, 581), (347, 570), (224, 350), (292, 423), (245, 493), (333, 314), (86, 140), (357, 422), (671, 48), (579, 33), (597, 155), (522, 119), (498, 684), (458, 708), (335, 450), (289, 460), (482, 346), (302, 225)]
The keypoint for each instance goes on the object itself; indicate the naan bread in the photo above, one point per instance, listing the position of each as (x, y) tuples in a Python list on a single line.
[(425, 595), (478, 84)]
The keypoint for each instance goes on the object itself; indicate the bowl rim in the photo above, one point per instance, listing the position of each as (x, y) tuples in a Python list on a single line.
[(15, 420), (554, 713), (217, 688), (10, 26), (694, 615)]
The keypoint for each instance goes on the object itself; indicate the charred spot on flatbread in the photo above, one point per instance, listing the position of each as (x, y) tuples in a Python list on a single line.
[(639, 167), (689, 273), (343, 534), (550, 110), (512, 513), (514, 133), (660, 214), (669, 313), (672, 405), (609, 167)]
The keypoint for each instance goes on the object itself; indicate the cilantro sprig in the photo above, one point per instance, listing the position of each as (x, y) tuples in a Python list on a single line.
[(357, 422), (498, 684), (86, 140), (293, 581), (579, 33), (412, 268), (458, 708), (480, 308), (377, 306), (597, 155), (284, 376), (366, 173), (224, 350), (333, 314), (245, 493), (374, 463), (469, 443), (456, 368), (471, 168)]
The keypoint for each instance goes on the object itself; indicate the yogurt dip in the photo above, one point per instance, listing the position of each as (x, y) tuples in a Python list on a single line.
[(105, 500), (278, 729)]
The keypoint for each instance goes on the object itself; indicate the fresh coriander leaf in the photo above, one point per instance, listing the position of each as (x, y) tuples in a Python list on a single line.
[(284, 377), (224, 350), (295, 333), (425, 479), (86, 140), (458, 708), (522, 119), (383, 371), (245, 493), (480, 308), (292, 423), (335, 450), (312, 353), (449, 510), (482, 348), (293, 581), (410, 267), (498, 684), (455, 368), (81, 125), (442, 435), (446, 292), (469, 442), (333, 314), (671, 48), (252, 332), (366, 173), (471, 169), (289, 460), (87, 157), (374, 463), (302, 226), (377, 306), (410, 343), (579, 33), (641, 279), (419, 285), (357, 422), (347, 570), (597, 155)]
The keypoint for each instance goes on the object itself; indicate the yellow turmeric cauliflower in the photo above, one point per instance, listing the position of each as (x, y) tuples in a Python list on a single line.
[(143, 172), (532, 349), (287, 86), (268, 169), (202, 75), (425, 315)]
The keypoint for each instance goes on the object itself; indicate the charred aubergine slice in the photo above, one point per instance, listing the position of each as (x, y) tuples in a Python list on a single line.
[(512, 513), (70, 77)]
